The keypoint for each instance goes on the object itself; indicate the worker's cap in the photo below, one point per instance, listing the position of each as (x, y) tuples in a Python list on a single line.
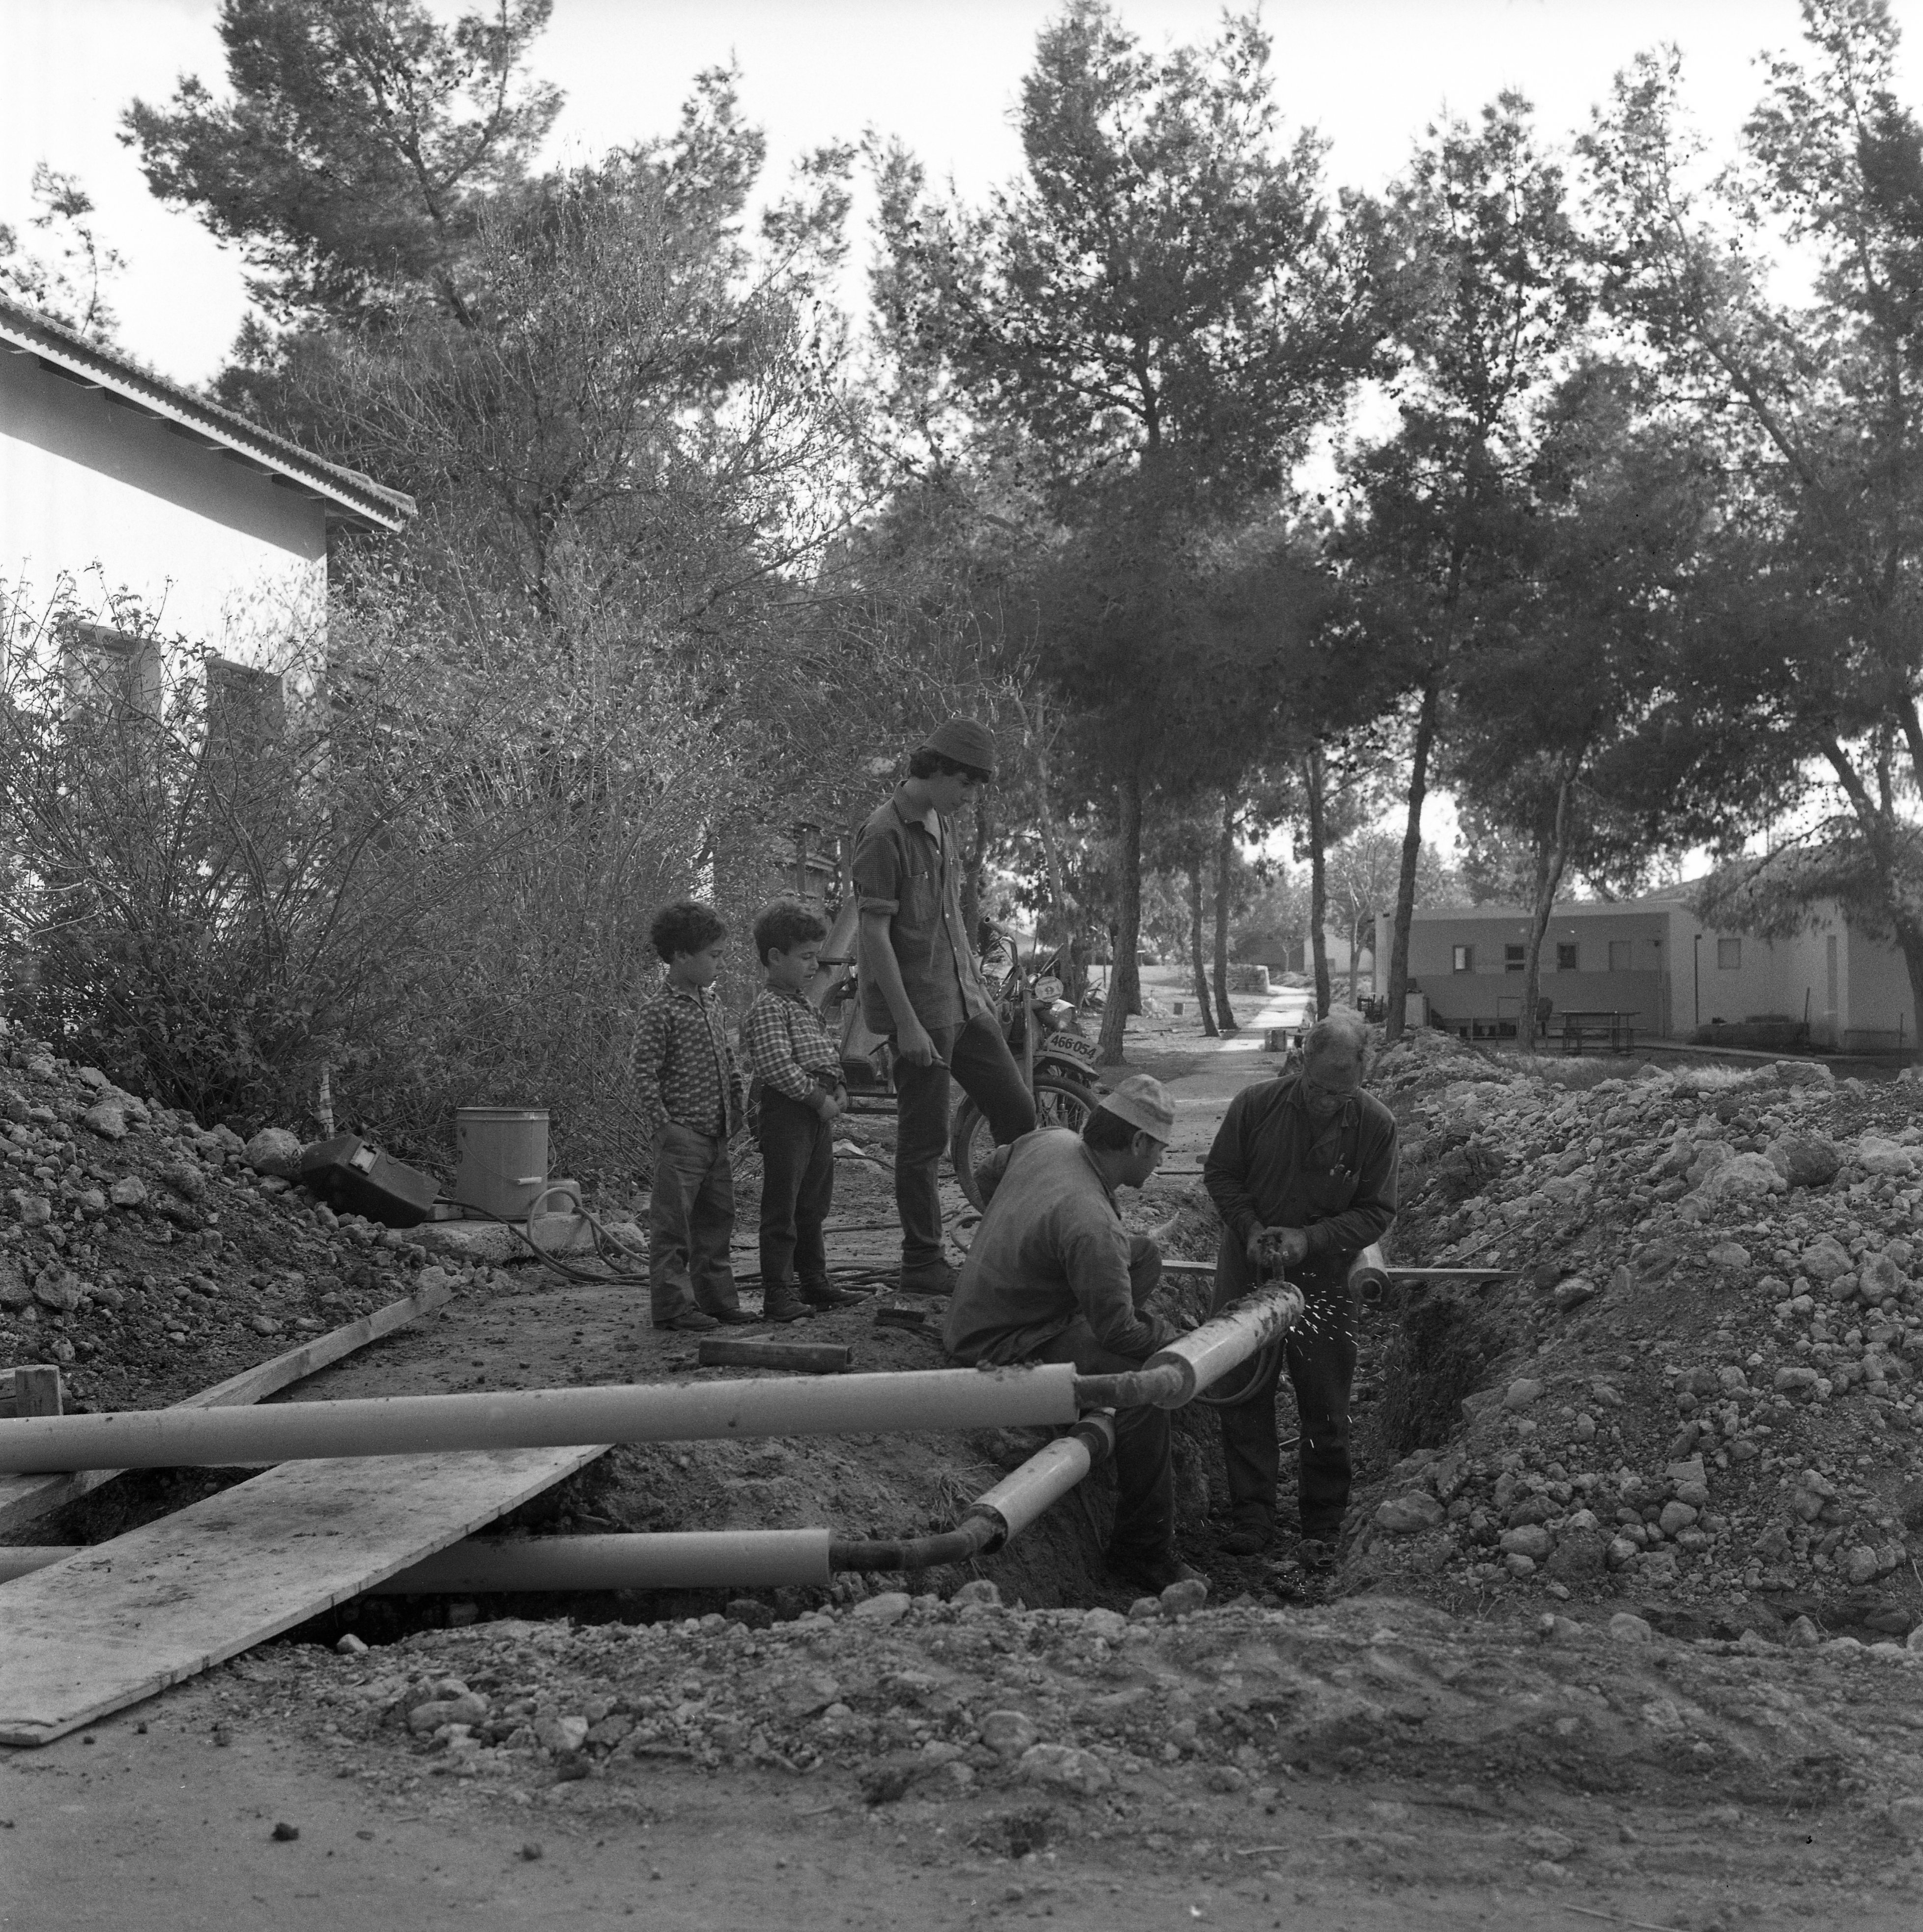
[(1144, 1103), (963, 742)]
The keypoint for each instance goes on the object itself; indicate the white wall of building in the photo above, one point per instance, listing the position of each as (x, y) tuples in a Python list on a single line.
[(216, 553)]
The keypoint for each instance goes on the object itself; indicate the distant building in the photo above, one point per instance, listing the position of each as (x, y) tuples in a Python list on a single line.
[(1282, 954), (1653, 957), (131, 494)]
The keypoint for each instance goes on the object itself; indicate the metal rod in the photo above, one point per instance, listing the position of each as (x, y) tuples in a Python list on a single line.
[(907, 1400)]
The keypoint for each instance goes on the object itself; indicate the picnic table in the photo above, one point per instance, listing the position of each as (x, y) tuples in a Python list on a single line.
[(1606, 1026)]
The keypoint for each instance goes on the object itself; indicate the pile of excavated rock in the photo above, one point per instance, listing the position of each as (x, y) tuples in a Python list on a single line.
[(1699, 1385), (150, 1256), (1174, 1719)]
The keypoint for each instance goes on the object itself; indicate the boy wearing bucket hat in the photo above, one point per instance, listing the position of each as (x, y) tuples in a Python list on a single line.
[(921, 988), (1052, 1276)]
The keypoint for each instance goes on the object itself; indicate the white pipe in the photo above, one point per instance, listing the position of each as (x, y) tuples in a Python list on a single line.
[(1023, 1494), (667, 1560), (1206, 1354), (1016, 1397)]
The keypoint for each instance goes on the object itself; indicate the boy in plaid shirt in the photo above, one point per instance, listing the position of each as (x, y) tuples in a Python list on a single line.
[(689, 1094), (797, 1073)]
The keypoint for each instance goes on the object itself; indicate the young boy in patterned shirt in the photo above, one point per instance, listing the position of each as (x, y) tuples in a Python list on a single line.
[(690, 1096), (797, 1073)]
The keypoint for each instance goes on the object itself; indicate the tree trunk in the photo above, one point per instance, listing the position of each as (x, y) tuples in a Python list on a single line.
[(1418, 790), (1318, 880), (1196, 954), (1224, 873), (1551, 856), (1354, 950), (1124, 981)]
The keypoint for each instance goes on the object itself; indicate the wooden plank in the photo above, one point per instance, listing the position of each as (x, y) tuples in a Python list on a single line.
[(122, 1620), (37, 1390), (23, 1497)]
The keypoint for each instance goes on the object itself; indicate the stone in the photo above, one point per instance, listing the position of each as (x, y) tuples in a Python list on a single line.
[(1802, 1634), (1710, 1156), (15, 1291), (59, 1288), (1877, 1279), (1408, 1515), (1009, 1733), (1802, 1073), (558, 1733), (1675, 1518), (1876, 1154), (979, 1590), (351, 1645), (1914, 1641), (890, 1606), (1067, 1767), (1654, 1261), (1805, 1160), (1531, 1540), (1860, 1566), (1579, 1555), (1728, 1256), (1108, 1624), (31, 1210), (1522, 1393), (1548, 1843), (263, 1324), (107, 1118), (1518, 1565), (1744, 1177), (129, 1191), (1180, 1599), (803, 1696), (1143, 1608), (273, 1150), (1574, 1292), (1793, 1380), (1825, 1258), (1625, 1627), (470, 1708)]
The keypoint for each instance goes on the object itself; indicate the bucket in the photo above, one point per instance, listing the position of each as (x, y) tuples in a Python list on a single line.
[(502, 1153)]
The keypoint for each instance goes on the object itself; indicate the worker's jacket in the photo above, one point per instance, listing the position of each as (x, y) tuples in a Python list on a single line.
[(1272, 1167), (1052, 1246)]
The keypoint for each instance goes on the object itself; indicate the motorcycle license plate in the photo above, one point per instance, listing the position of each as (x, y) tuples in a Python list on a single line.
[(1075, 1048)]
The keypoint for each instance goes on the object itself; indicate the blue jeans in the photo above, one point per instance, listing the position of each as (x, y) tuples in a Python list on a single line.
[(690, 1220), (797, 1190)]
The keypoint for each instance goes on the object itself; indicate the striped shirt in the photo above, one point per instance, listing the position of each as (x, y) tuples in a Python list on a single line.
[(786, 1044), (682, 1067)]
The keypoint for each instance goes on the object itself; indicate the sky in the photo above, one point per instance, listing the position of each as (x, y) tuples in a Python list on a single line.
[(943, 74)]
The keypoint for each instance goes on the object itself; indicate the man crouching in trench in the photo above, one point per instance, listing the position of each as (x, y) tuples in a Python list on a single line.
[(1053, 1276)]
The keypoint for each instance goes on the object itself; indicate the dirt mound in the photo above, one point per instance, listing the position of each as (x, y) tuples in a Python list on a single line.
[(1699, 1391)]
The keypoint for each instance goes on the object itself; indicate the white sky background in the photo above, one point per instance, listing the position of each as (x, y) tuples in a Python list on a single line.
[(943, 74)]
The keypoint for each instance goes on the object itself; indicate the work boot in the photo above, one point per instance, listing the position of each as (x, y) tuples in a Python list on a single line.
[(822, 1295), (690, 1320), (1151, 1571), (934, 1277), (735, 1318), (1247, 1536), (783, 1304)]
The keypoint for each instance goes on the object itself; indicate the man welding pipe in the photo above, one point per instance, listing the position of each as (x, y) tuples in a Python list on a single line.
[(1303, 1172)]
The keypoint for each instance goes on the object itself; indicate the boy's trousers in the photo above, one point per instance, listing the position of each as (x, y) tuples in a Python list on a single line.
[(797, 1190), (690, 1217)]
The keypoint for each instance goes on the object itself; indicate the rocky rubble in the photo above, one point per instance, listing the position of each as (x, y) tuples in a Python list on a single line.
[(1701, 1387), (1188, 1727), (150, 1256)]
